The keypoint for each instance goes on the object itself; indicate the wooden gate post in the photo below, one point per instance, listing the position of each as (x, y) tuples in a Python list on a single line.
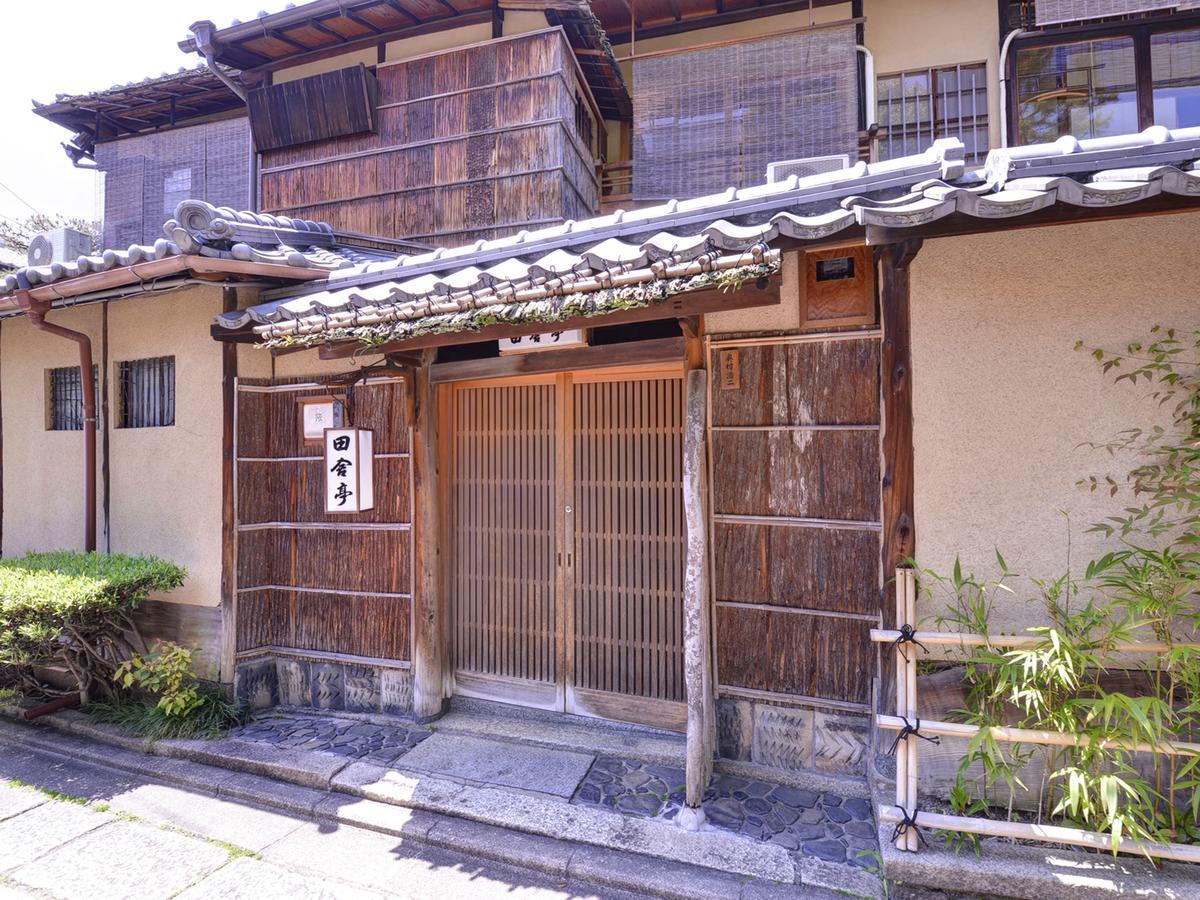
[(229, 596), (428, 603), (697, 660), (896, 438)]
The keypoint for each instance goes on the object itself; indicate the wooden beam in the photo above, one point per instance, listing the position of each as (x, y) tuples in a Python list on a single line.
[(692, 303), (709, 20), (573, 360), (429, 604), (899, 532), (229, 354)]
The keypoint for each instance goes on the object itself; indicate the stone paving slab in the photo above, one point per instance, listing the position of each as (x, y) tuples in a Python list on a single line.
[(15, 800), (253, 879), (312, 770), (540, 769), (122, 860), (34, 833)]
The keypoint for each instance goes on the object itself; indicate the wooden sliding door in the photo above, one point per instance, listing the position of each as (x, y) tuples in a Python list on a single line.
[(568, 543)]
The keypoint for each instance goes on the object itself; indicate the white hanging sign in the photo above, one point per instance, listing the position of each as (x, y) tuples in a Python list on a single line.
[(349, 470), (551, 340)]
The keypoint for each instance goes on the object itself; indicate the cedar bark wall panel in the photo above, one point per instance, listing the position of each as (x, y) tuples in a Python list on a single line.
[(794, 653), (360, 625), (803, 474), (797, 439), (472, 143), (810, 383), (309, 580), (294, 491), (808, 568)]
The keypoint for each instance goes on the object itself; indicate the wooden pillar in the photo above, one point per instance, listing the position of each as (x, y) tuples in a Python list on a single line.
[(899, 527), (697, 622), (428, 606), (229, 352)]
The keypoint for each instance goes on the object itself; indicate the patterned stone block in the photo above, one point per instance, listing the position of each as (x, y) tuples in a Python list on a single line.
[(294, 689), (783, 737), (325, 681), (257, 683), (840, 743), (360, 689), (735, 727), (395, 692)]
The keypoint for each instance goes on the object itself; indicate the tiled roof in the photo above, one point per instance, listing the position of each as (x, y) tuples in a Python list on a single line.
[(201, 229), (468, 287)]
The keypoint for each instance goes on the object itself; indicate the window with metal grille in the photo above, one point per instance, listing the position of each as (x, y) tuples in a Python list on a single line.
[(146, 393), (918, 107), (64, 398)]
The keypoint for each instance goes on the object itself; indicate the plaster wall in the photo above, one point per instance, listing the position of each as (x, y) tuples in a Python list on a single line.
[(1002, 403), (164, 483)]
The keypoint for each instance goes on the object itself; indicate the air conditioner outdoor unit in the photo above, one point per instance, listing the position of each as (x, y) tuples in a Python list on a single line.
[(59, 245), (802, 168)]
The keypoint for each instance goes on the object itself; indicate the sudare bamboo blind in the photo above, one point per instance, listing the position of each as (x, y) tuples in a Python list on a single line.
[(709, 118)]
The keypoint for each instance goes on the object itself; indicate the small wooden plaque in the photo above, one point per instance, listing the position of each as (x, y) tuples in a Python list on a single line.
[(730, 365)]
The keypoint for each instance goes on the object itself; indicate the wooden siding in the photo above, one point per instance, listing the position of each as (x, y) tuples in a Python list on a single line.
[(316, 108), (307, 579), (471, 143), (796, 514)]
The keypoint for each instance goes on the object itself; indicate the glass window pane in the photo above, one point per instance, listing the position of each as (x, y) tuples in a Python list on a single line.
[(1175, 68), (1087, 89)]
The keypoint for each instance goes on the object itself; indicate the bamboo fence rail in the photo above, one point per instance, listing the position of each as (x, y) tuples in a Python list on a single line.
[(904, 813)]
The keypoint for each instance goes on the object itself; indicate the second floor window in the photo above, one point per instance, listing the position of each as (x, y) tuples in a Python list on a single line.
[(146, 393), (918, 107), (1117, 83)]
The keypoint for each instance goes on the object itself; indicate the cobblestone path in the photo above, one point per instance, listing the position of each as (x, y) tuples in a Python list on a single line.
[(379, 744)]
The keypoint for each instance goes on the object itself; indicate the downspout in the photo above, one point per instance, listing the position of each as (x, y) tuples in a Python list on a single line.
[(37, 318), (203, 33), (1004, 48)]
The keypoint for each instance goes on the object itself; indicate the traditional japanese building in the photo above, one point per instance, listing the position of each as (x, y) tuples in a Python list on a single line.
[(675, 333)]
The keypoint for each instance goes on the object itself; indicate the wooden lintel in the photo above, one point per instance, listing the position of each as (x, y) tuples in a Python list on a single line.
[(693, 303), (573, 360)]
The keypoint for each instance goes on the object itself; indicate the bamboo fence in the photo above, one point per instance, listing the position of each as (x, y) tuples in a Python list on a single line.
[(904, 813)]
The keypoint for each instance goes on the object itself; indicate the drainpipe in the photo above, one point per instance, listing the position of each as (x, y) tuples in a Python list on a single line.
[(203, 33), (1008, 39), (37, 318)]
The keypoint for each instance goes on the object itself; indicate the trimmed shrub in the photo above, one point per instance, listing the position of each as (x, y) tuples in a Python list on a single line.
[(72, 611)]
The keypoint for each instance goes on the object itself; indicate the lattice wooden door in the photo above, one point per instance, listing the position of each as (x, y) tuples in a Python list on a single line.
[(568, 544)]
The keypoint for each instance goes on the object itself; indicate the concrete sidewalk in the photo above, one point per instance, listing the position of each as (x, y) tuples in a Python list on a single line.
[(74, 829)]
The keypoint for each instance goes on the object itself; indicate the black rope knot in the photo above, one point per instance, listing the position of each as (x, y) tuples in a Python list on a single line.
[(915, 731), (907, 636), (905, 823)]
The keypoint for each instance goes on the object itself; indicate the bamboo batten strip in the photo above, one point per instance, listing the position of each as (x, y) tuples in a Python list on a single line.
[(585, 281), (964, 640), (905, 810), (1054, 834), (1030, 736)]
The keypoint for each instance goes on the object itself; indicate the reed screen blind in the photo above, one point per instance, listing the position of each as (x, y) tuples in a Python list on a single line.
[(64, 398), (711, 118), (145, 177), (146, 393), (1052, 12)]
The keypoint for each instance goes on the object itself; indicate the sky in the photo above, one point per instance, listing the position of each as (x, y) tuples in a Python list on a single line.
[(73, 47)]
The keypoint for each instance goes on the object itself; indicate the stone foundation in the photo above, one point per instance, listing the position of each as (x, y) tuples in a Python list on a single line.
[(795, 738), (322, 684)]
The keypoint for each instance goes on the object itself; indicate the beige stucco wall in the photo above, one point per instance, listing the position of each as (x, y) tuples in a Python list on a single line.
[(164, 483), (368, 56), (1001, 401)]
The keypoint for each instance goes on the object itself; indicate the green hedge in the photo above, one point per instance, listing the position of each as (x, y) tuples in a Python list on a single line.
[(73, 609)]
